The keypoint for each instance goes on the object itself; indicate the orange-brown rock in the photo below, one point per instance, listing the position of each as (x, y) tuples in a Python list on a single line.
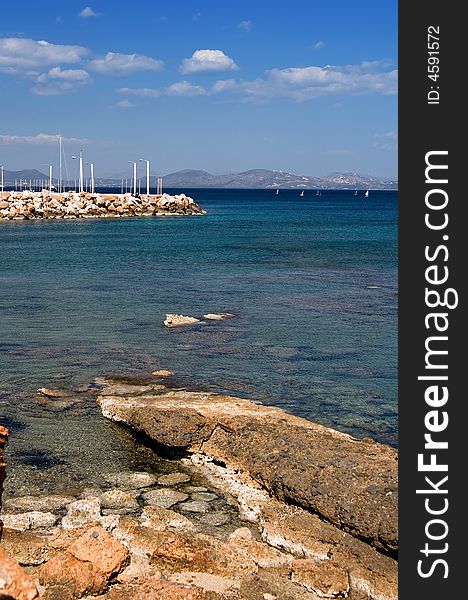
[(86, 566), (15, 583), (185, 551), (3, 441), (323, 577), (349, 483), (153, 588)]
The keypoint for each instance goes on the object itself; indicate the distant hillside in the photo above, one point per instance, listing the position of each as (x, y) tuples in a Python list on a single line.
[(263, 178), (10, 177), (253, 179)]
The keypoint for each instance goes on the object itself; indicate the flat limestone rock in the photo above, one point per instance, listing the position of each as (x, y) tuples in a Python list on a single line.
[(349, 483), (173, 478), (173, 320), (131, 479), (29, 520), (163, 497), (39, 503)]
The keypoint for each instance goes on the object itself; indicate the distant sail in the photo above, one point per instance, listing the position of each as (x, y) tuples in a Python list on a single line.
[(367, 194)]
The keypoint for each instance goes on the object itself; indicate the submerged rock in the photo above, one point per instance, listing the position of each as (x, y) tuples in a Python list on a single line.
[(37, 503), (195, 506), (162, 373), (218, 316), (164, 497), (131, 479), (52, 393), (173, 478)]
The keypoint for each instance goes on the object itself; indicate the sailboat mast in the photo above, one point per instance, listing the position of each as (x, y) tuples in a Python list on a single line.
[(60, 164)]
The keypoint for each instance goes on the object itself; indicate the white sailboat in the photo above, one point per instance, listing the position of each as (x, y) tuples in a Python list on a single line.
[(277, 192), (366, 195), (355, 193), (319, 193), (302, 193)]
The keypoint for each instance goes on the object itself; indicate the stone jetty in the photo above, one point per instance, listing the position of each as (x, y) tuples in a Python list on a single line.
[(72, 205), (257, 505)]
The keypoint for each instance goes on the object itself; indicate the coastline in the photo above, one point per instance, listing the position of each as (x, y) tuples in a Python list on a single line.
[(174, 536)]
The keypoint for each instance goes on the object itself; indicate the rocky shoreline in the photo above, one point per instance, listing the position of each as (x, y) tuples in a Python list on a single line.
[(260, 505), (72, 205)]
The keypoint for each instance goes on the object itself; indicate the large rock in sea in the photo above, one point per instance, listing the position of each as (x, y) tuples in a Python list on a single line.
[(349, 483)]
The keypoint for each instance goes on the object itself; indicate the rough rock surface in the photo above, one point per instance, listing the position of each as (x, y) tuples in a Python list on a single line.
[(86, 566), (71, 205), (15, 583), (349, 483), (173, 320), (3, 441)]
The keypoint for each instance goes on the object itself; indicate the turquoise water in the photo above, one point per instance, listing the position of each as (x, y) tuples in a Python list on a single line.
[(312, 281)]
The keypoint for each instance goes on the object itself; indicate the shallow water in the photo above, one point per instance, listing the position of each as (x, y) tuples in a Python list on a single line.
[(313, 284)]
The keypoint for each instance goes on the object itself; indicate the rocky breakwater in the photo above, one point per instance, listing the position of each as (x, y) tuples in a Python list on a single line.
[(71, 205)]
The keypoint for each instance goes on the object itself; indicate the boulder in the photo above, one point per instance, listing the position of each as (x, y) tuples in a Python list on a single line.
[(173, 320), (86, 566)]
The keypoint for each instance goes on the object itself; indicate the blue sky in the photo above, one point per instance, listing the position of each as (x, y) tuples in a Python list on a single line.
[(302, 86)]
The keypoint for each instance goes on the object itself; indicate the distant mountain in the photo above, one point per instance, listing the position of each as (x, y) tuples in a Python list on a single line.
[(253, 179), (264, 178), (9, 177)]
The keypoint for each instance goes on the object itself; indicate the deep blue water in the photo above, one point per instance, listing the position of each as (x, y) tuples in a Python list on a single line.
[(313, 282)]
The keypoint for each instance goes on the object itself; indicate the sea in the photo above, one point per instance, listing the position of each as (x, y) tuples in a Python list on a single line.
[(312, 282)]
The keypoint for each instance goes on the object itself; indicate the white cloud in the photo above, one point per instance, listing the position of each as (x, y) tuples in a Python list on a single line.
[(387, 141), (184, 88), (118, 65), (208, 60), (305, 83), (19, 53), (72, 75), (223, 85), (246, 25), (318, 45), (390, 135), (196, 16), (88, 12), (143, 92), (125, 104), (40, 138), (57, 81)]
